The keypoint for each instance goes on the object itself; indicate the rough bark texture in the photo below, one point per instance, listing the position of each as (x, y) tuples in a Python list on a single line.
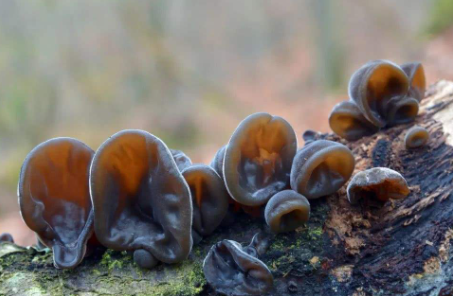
[(400, 247)]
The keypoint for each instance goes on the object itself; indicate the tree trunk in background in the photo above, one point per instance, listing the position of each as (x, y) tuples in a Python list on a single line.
[(402, 247)]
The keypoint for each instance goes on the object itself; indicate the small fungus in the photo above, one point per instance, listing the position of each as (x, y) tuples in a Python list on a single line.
[(231, 270), (181, 159), (379, 183), (309, 136), (54, 197), (417, 80), (217, 161), (258, 158), (141, 201), (416, 137), (321, 168), (209, 198), (6, 237), (348, 122), (286, 211)]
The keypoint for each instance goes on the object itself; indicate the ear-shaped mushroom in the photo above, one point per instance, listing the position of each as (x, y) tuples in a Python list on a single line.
[(209, 198), (258, 158), (6, 237), (401, 110), (416, 137), (141, 201), (348, 122), (417, 80), (182, 160), (321, 168), (381, 183), (230, 270), (54, 197), (217, 161), (286, 211), (373, 85)]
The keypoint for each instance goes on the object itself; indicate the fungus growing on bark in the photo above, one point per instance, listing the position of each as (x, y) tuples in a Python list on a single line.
[(286, 211), (321, 168), (217, 161), (6, 237), (209, 198), (417, 80), (374, 85), (54, 197), (181, 159), (141, 201), (416, 137), (348, 122), (233, 270), (258, 157), (379, 183)]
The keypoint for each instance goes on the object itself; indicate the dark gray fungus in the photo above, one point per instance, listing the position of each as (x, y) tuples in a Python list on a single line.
[(181, 159), (258, 158), (286, 211), (417, 80), (6, 237), (377, 183), (209, 198), (416, 137), (217, 161), (231, 270), (321, 168), (141, 201)]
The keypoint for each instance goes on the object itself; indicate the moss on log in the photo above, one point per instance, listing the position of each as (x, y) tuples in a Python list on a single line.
[(398, 248)]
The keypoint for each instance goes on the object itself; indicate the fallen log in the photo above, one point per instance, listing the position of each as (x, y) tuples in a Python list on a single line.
[(401, 247)]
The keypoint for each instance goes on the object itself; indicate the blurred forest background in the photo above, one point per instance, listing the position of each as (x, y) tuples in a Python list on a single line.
[(190, 71)]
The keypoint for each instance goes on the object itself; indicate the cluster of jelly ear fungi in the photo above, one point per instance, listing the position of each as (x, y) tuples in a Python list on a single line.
[(381, 94)]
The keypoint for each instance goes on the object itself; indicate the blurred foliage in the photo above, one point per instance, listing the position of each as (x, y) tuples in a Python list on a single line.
[(440, 17)]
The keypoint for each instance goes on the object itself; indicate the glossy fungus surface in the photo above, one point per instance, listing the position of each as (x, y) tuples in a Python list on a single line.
[(54, 197), (417, 80), (217, 161), (6, 237), (230, 270), (416, 137), (348, 122), (286, 211), (321, 168), (379, 183), (181, 159), (258, 158), (374, 85), (209, 198), (141, 201)]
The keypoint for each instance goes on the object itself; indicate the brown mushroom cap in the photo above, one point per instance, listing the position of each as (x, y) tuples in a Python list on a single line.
[(373, 85), (258, 158), (286, 211), (209, 198), (416, 137), (401, 110), (348, 122), (381, 183), (321, 168), (182, 160), (54, 197), (6, 237), (141, 200), (417, 80), (217, 161), (230, 270)]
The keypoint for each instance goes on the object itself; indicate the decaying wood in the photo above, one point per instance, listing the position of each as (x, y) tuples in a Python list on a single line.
[(397, 248)]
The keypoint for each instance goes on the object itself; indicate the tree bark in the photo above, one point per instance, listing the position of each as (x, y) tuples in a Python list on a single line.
[(398, 248)]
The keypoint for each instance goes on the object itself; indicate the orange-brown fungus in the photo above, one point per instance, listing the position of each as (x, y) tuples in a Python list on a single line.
[(54, 197), (141, 201), (6, 237), (416, 137), (379, 183), (417, 80), (209, 197), (258, 158)]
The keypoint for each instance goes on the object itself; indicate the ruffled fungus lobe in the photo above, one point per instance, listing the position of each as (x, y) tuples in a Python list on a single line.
[(209, 198), (231, 270), (217, 161), (6, 237), (54, 197), (141, 201), (258, 158), (182, 160), (417, 80), (416, 137), (374, 85), (348, 122), (286, 211), (380, 183), (321, 168)]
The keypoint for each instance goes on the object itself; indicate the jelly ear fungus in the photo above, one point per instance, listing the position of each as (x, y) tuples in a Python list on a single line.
[(54, 197), (141, 201)]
